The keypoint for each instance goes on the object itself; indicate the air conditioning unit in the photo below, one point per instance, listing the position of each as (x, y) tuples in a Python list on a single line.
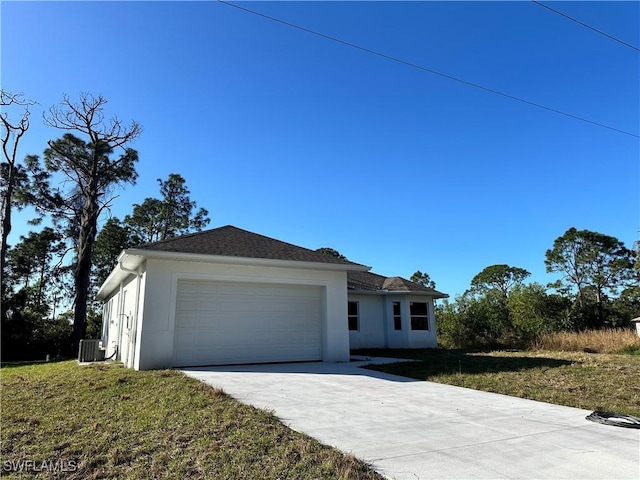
[(91, 351)]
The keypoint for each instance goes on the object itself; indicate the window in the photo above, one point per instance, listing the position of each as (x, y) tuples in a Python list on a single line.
[(353, 316), (397, 317), (419, 316)]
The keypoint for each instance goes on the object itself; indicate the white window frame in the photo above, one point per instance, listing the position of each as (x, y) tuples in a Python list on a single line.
[(420, 317), (352, 316), (397, 316)]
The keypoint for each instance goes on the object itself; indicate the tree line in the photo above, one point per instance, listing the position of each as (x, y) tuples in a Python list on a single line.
[(72, 186), (598, 287)]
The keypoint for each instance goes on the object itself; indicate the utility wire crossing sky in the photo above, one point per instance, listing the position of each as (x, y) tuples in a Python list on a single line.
[(588, 26), (280, 129), (429, 70)]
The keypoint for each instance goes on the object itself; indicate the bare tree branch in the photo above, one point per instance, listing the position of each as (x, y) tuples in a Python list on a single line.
[(92, 172), (12, 175), (87, 117)]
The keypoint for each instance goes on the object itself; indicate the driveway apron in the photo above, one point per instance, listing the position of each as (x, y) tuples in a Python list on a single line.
[(410, 429)]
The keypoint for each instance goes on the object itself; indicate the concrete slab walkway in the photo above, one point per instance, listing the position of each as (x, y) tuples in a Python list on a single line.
[(412, 429)]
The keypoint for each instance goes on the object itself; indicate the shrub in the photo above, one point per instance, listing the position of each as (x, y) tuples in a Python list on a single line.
[(473, 322)]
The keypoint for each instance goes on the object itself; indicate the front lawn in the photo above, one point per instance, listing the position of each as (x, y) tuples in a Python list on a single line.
[(112, 422), (584, 380)]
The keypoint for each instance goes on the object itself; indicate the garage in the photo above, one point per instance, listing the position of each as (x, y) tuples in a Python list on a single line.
[(228, 296), (218, 323)]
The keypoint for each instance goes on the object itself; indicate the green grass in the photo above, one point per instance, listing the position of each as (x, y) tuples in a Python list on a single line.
[(576, 379), (630, 350), (122, 424)]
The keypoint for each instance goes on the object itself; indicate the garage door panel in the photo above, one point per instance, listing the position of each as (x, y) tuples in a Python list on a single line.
[(225, 355), (185, 337), (185, 357), (188, 287), (207, 306), (313, 337), (187, 304), (222, 323), (188, 320), (207, 288)]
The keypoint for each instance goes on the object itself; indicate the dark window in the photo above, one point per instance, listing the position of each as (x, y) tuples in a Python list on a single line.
[(419, 316), (353, 315), (397, 317)]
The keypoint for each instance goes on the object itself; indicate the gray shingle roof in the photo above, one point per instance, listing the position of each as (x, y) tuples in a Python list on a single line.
[(230, 241), (365, 281), (369, 281)]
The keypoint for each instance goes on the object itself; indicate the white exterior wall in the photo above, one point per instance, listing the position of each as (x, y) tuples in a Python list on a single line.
[(127, 318), (422, 338), (112, 320), (376, 324), (154, 344), (123, 332), (371, 322), (118, 322), (397, 338), (135, 347)]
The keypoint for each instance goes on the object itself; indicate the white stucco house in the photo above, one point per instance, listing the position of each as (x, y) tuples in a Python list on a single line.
[(229, 296)]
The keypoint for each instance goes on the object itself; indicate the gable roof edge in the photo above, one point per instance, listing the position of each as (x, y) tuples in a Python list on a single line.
[(233, 260), (434, 294)]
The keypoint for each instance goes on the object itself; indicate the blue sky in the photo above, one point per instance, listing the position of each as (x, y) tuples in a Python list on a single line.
[(309, 141)]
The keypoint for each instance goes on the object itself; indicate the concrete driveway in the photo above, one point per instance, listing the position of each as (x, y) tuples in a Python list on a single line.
[(414, 429)]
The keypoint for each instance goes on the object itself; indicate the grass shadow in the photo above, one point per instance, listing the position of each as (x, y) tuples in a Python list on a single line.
[(436, 362)]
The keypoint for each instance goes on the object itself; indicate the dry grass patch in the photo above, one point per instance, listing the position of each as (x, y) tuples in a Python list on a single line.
[(119, 423), (591, 341)]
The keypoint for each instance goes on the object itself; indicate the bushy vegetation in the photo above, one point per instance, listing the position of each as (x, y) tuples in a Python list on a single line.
[(29, 332), (598, 289), (60, 268), (530, 316)]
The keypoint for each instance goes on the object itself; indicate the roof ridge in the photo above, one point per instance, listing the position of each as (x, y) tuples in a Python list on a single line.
[(183, 236), (375, 282), (229, 240)]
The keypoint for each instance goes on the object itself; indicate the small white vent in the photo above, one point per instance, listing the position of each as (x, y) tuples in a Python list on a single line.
[(91, 351)]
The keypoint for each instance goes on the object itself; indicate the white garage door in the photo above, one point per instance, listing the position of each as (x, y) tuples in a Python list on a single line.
[(226, 323)]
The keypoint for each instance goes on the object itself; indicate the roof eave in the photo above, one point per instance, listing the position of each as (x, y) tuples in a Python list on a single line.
[(267, 262), (118, 274), (435, 295)]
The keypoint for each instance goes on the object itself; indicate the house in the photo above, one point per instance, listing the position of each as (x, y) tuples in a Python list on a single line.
[(229, 296), (636, 321)]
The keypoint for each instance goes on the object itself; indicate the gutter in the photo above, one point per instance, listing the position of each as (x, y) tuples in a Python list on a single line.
[(252, 261), (435, 296)]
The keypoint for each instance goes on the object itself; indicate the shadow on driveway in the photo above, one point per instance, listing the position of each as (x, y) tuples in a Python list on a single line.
[(352, 368)]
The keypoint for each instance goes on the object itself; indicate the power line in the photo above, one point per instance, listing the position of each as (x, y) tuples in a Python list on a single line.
[(585, 25), (425, 69)]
